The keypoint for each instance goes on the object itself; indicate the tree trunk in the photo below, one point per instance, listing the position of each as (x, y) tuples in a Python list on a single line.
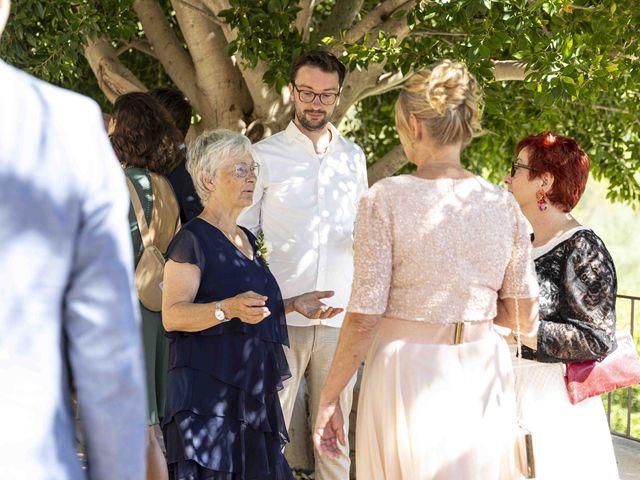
[(113, 78), (222, 96), (167, 48), (389, 164)]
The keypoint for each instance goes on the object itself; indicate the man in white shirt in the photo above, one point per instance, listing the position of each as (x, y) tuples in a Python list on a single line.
[(305, 202), (68, 312)]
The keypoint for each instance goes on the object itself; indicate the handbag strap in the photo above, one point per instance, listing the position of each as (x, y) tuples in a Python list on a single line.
[(166, 211), (517, 336), (139, 212), (517, 371)]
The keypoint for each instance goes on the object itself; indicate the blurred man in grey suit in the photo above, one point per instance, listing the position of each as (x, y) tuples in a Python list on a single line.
[(66, 298)]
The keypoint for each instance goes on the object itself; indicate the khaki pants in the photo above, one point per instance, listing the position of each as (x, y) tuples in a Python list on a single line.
[(310, 355)]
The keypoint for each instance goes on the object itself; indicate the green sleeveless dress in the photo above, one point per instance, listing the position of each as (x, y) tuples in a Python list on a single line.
[(156, 346)]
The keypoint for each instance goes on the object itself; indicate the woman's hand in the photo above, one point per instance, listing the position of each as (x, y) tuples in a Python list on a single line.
[(329, 429), (505, 325), (248, 307), (309, 305)]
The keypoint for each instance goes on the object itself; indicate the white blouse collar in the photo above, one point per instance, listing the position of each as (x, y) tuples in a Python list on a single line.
[(547, 247)]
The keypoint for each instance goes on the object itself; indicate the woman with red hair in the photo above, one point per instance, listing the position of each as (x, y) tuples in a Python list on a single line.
[(578, 285)]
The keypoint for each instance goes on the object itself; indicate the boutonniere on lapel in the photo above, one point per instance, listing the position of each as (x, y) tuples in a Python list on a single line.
[(264, 249)]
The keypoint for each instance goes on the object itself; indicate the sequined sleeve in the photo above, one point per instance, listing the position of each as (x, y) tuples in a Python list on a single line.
[(373, 255), (520, 279), (580, 322)]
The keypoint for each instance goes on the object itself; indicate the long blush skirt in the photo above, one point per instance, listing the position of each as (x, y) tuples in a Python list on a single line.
[(433, 411)]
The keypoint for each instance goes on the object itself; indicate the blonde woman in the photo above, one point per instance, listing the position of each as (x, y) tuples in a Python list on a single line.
[(440, 256)]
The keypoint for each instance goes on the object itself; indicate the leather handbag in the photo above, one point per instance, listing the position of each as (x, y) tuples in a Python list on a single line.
[(619, 369), (156, 235)]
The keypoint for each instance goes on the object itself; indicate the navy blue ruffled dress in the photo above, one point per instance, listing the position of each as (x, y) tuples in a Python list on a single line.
[(223, 419)]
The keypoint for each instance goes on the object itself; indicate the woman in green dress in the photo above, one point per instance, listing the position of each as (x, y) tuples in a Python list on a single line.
[(145, 141)]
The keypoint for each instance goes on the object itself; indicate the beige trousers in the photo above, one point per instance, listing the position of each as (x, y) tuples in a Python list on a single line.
[(310, 355)]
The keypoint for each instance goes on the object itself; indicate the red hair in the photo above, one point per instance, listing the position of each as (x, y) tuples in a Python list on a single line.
[(563, 158)]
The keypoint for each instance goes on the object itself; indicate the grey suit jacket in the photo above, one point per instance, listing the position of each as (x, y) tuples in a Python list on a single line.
[(65, 277)]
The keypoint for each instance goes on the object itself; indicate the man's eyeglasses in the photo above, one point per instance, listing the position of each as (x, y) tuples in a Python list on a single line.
[(307, 96), (515, 166), (242, 169)]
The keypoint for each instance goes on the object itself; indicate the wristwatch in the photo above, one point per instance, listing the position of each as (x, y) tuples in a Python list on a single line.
[(219, 313)]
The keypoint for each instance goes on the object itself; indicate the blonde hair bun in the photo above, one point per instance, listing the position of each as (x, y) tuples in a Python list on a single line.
[(445, 97), (449, 85)]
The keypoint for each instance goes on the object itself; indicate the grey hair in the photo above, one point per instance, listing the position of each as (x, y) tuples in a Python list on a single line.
[(209, 151)]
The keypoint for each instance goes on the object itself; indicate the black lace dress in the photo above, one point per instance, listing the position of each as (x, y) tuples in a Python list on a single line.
[(577, 301)]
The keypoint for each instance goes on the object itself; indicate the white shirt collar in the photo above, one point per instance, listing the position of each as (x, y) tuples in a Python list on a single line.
[(293, 133)]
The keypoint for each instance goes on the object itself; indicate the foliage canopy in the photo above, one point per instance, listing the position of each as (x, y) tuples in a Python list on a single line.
[(578, 69)]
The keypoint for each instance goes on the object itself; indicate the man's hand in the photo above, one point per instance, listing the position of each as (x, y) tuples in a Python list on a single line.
[(309, 305)]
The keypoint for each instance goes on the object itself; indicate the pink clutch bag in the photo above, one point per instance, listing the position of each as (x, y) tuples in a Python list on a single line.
[(619, 369)]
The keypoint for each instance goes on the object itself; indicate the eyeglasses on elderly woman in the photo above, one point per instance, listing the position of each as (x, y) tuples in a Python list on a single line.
[(515, 166), (242, 170)]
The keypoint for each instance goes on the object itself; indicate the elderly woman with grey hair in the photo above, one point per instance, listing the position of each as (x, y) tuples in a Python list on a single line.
[(226, 322)]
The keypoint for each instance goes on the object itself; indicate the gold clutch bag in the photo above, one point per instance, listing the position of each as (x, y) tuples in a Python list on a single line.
[(525, 459)]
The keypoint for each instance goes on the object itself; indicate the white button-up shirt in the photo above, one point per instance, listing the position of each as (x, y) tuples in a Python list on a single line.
[(306, 204)]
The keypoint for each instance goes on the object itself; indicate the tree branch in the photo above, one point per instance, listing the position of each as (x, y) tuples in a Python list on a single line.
[(386, 82), (354, 85), (303, 19), (203, 11), (342, 15), (140, 45), (362, 83), (612, 109), (389, 164), (167, 47), (509, 70), (432, 33), (374, 80), (394, 27), (113, 77), (605, 108), (375, 19)]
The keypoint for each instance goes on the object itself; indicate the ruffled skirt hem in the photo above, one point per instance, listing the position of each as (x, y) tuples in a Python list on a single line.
[(223, 418), (190, 470)]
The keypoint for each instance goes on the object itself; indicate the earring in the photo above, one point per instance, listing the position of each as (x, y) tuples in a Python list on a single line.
[(541, 200)]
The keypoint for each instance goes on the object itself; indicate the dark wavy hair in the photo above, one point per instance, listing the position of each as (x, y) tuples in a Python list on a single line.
[(144, 134), (176, 104)]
